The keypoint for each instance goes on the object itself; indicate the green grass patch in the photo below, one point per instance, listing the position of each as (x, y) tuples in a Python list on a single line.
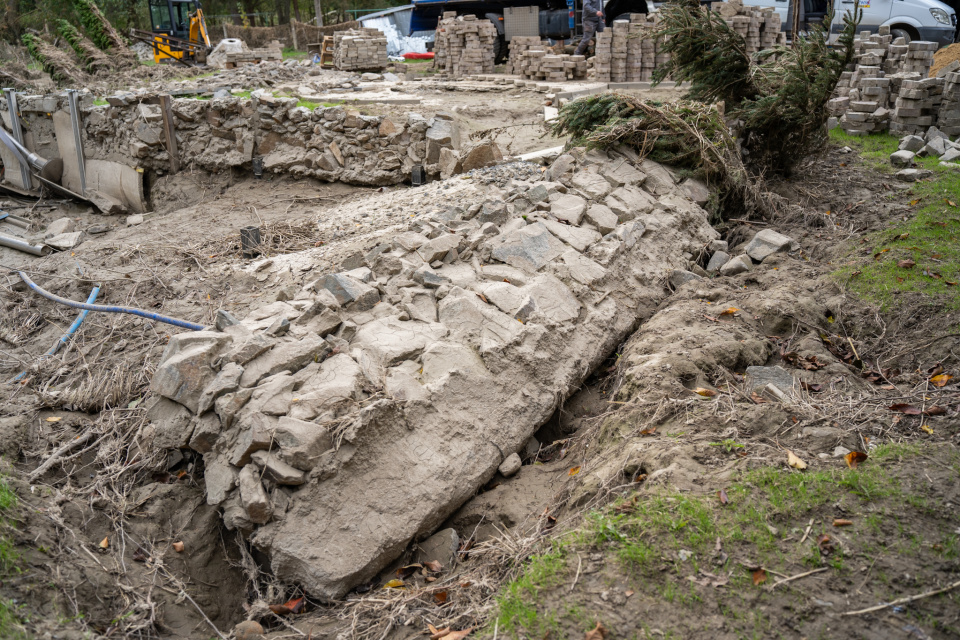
[(290, 52), (645, 535), (100, 102), (10, 612), (243, 95), (928, 239), (149, 62)]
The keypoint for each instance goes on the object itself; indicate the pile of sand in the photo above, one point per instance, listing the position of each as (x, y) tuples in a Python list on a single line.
[(943, 57)]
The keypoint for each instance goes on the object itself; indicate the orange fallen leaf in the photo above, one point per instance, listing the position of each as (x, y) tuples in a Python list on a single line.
[(648, 432), (926, 428), (54, 419), (629, 592), (440, 597), (178, 546), (794, 461), (941, 380), (723, 497), (906, 264), (599, 632), (433, 566), (293, 605), (729, 311), (436, 634), (105, 543), (394, 584), (457, 635), (574, 471), (841, 522), (706, 393), (854, 458), (759, 577)]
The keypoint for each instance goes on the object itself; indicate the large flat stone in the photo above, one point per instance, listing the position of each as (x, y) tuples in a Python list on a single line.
[(768, 242), (529, 248), (569, 208)]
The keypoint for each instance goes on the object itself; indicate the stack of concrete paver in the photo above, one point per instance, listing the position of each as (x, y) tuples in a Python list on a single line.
[(539, 64), (760, 27), (635, 47), (618, 51), (917, 105), (518, 46), (464, 45), (948, 120), (919, 57), (359, 49), (602, 57)]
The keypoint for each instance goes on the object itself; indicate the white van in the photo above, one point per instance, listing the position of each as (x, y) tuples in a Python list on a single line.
[(930, 20)]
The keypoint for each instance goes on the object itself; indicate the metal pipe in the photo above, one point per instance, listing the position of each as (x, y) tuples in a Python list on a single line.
[(23, 223), (70, 331), (77, 141), (17, 133), (26, 247), (110, 309)]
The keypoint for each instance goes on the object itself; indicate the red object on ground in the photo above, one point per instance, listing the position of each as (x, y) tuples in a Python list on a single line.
[(418, 56)]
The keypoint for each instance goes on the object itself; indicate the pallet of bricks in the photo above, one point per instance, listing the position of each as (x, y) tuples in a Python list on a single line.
[(463, 45), (532, 59), (359, 50), (273, 51)]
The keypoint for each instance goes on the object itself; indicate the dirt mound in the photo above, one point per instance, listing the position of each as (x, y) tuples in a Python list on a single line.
[(943, 57)]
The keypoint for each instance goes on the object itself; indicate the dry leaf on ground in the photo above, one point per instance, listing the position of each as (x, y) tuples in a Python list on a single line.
[(794, 461), (599, 632), (854, 458)]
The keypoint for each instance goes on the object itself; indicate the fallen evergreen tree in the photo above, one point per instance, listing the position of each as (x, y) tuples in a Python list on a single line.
[(97, 26), (54, 61), (93, 60), (775, 98)]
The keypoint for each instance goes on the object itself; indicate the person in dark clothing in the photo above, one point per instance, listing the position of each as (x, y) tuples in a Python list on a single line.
[(592, 23)]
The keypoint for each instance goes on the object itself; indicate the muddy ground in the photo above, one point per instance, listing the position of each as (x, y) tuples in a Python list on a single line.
[(117, 541)]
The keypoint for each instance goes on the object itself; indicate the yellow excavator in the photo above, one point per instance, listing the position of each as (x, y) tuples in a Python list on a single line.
[(178, 32)]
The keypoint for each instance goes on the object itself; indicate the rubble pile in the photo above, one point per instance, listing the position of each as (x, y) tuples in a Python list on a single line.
[(948, 119), (917, 105), (359, 49), (464, 45), (343, 423), (934, 143)]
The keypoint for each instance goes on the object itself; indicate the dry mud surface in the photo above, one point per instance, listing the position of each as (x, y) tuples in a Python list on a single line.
[(622, 427)]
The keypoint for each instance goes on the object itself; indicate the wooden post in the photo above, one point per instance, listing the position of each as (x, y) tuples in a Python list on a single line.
[(293, 35), (169, 133)]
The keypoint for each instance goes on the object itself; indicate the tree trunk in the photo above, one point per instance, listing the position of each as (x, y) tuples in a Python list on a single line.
[(318, 11), (283, 11), (296, 10)]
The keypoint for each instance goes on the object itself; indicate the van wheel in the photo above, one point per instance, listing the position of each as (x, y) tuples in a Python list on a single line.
[(901, 33)]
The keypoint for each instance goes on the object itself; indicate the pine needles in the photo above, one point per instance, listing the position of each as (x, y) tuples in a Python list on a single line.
[(777, 96), (98, 27), (54, 61), (93, 60), (685, 134)]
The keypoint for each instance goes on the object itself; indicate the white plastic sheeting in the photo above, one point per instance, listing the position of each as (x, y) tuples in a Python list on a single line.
[(397, 45)]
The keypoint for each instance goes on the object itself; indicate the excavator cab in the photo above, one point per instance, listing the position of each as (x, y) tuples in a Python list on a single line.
[(177, 31)]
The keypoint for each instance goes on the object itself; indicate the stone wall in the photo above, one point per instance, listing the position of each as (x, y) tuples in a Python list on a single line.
[(328, 143), (338, 426)]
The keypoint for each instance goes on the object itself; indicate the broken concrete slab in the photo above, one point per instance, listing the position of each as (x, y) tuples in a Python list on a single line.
[(253, 497), (485, 154), (64, 241), (349, 291), (577, 237), (602, 217), (569, 208), (185, 368), (529, 248)]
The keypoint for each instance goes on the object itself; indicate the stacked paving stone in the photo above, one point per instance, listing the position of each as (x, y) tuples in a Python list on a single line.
[(539, 64), (518, 46), (618, 51), (635, 47), (948, 120), (359, 49), (464, 45), (602, 58), (917, 105), (919, 57), (760, 27)]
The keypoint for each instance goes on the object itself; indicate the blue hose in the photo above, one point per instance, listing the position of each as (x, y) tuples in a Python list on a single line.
[(66, 337), (110, 309)]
